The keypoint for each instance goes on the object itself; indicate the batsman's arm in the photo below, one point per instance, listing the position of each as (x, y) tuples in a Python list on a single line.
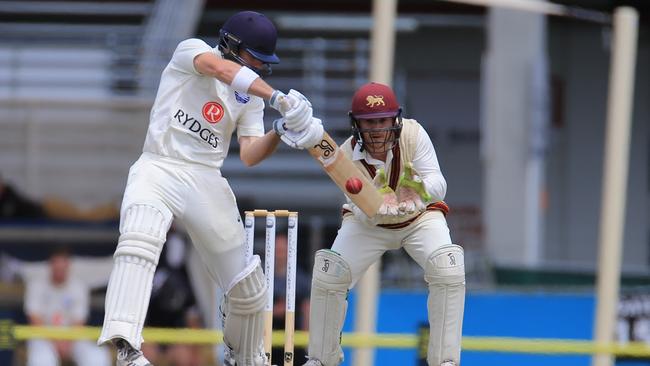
[(240, 78), (253, 149)]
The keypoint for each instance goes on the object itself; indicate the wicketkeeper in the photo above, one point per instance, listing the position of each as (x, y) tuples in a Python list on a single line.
[(205, 94), (398, 155)]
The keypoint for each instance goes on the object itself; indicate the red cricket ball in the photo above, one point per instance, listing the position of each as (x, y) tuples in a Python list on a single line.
[(353, 185)]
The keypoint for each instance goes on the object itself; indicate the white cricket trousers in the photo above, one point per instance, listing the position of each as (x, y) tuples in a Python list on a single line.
[(201, 200), (361, 244)]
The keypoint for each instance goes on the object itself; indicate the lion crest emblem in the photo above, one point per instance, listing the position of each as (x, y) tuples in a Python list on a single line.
[(375, 100)]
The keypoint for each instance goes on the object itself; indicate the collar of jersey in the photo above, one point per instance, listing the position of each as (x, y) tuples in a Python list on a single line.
[(357, 154)]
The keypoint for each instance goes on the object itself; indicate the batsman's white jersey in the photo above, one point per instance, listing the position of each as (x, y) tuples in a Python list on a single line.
[(178, 177), (193, 116)]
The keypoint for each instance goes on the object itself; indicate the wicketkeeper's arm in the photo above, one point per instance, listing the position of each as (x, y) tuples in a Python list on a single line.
[(425, 163)]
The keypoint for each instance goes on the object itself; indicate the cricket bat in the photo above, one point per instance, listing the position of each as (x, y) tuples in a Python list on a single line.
[(350, 180), (359, 189)]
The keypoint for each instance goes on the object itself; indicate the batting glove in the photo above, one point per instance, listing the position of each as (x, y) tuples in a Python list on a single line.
[(279, 102), (293, 93), (300, 115), (279, 127), (294, 107), (304, 139)]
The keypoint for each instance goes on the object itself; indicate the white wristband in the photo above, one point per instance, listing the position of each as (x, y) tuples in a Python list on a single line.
[(243, 79)]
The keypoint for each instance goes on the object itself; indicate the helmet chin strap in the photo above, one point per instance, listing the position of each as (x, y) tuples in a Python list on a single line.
[(230, 46), (264, 71)]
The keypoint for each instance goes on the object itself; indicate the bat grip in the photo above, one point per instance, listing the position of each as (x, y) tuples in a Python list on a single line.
[(285, 105)]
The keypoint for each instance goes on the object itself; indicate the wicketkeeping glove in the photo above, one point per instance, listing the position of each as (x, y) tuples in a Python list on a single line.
[(411, 192), (389, 206)]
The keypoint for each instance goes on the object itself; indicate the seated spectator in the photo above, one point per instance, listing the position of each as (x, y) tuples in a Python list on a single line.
[(15, 205), (60, 300)]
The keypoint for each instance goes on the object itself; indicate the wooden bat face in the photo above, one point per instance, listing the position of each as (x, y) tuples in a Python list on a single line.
[(341, 170), (325, 149), (347, 176)]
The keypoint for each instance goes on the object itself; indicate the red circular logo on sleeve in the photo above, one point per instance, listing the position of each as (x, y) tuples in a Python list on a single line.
[(212, 112)]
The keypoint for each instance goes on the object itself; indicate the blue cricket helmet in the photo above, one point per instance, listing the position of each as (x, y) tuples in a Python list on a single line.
[(253, 32)]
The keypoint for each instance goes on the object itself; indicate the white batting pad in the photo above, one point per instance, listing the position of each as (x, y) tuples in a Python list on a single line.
[(244, 322), (445, 274), (144, 229), (329, 292)]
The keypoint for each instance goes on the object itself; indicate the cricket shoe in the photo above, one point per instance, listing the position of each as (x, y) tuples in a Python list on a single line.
[(312, 362), (229, 358), (129, 356)]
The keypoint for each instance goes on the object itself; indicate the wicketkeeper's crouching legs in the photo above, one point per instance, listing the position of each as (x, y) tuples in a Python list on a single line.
[(329, 290), (445, 275)]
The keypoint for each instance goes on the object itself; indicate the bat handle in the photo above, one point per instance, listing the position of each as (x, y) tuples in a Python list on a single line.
[(285, 105)]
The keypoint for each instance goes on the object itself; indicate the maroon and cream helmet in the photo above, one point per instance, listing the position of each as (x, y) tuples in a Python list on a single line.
[(373, 101)]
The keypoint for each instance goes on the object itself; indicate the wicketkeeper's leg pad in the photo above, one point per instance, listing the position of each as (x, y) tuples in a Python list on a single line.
[(244, 309), (445, 275), (329, 291), (144, 230)]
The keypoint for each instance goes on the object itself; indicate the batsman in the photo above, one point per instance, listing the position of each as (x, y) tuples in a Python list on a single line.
[(206, 94), (398, 156)]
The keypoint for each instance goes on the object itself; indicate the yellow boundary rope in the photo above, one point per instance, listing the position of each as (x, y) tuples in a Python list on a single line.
[(10, 333)]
